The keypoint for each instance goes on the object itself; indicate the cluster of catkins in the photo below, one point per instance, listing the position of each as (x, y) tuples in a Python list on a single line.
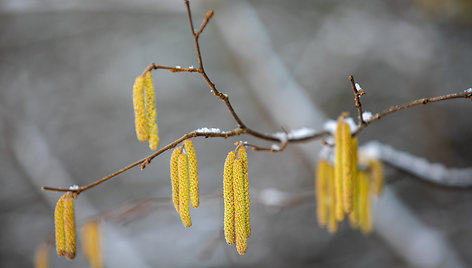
[(237, 227), (145, 110), (346, 187), (184, 178)]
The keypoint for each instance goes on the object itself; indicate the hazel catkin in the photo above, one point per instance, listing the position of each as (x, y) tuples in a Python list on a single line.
[(184, 191), (228, 195), (139, 110), (59, 227), (41, 258), (247, 202), (376, 171), (69, 226), (151, 111), (192, 173), (347, 163), (338, 171), (174, 176), (239, 199), (321, 191), (92, 243)]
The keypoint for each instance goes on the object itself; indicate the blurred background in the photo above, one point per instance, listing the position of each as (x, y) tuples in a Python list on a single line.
[(66, 75)]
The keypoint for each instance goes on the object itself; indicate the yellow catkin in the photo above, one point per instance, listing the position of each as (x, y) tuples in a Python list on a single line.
[(174, 176), (247, 202), (151, 111), (228, 194), (92, 244), (321, 191), (184, 191), (69, 226), (59, 226), (376, 170), (140, 110), (354, 215), (364, 203), (330, 200), (41, 258), (347, 154), (338, 171), (192, 173), (239, 199)]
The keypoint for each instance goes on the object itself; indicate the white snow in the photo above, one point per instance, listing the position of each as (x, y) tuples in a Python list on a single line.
[(275, 147), (358, 87), (469, 90), (208, 130), (330, 126), (366, 116), (282, 136), (74, 187), (351, 123), (190, 67), (301, 133), (178, 67)]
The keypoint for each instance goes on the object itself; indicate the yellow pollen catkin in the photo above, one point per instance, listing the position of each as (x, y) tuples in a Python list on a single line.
[(330, 200), (338, 171), (321, 191), (41, 259), (92, 244), (228, 195), (243, 155), (347, 162), (354, 215), (376, 170), (364, 203), (239, 199), (151, 111), (69, 226), (184, 191), (140, 110), (192, 173), (59, 224), (174, 176)]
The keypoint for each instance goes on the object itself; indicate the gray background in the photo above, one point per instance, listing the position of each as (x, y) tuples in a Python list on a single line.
[(66, 72)]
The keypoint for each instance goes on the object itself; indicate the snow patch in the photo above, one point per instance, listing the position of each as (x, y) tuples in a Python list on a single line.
[(74, 187), (358, 87), (367, 116), (208, 130)]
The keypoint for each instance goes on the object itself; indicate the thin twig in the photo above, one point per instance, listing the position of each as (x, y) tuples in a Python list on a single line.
[(357, 100)]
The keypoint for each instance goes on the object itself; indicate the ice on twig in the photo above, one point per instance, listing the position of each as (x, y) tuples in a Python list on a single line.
[(74, 187), (208, 130), (178, 67), (190, 67), (366, 116), (469, 90)]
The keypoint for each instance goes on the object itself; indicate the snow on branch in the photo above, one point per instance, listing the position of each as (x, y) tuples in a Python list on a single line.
[(420, 167)]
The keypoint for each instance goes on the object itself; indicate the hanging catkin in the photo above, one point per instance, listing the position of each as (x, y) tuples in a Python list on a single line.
[(41, 258), (151, 111), (192, 173), (174, 176), (347, 162), (92, 243), (59, 226), (376, 171), (338, 171), (228, 194), (239, 199), (364, 200), (69, 226), (330, 199), (243, 155), (140, 110), (354, 215), (184, 191), (321, 191)]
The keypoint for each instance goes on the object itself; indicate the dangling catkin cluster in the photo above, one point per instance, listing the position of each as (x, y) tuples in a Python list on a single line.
[(237, 227), (92, 243), (145, 110), (184, 179), (344, 189), (65, 226)]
